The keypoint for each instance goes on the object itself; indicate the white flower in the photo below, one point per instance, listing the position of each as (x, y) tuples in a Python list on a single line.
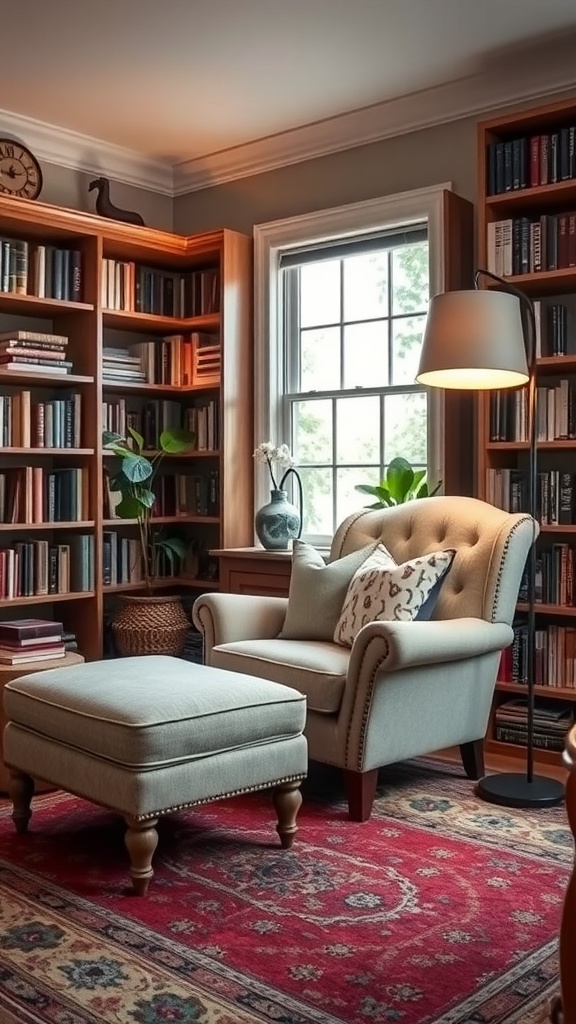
[(268, 453)]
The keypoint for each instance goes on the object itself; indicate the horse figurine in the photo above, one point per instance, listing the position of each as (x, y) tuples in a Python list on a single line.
[(107, 209)]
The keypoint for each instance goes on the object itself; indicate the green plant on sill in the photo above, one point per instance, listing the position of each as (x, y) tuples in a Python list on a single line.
[(134, 480), (401, 484)]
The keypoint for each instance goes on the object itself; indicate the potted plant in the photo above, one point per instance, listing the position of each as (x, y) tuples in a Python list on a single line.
[(152, 624), (401, 484)]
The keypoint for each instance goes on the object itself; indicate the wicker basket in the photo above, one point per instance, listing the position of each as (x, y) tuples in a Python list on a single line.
[(151, 625)]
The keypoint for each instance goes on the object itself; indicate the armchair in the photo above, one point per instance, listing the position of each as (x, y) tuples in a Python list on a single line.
[(404, 688)]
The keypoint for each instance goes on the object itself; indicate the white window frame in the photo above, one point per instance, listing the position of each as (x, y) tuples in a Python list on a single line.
[(272, 238)]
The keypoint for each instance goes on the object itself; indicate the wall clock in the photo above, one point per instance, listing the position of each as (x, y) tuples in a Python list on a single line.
[(20, 173)]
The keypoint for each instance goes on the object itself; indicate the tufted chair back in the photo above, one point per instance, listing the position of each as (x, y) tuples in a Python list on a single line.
[(491, 548)]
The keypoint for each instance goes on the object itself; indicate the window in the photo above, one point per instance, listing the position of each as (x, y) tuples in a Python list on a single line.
[(341, 301), (354, 316)]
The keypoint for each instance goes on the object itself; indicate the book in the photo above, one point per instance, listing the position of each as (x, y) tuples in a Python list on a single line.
[(29, 629), (27, 657), (14, 335), (33, 644)]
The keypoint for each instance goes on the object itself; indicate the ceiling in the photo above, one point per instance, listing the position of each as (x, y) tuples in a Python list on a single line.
[(176, 80)]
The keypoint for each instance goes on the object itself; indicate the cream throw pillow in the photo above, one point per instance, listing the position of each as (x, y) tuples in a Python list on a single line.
[(382, 589), (317, 592)]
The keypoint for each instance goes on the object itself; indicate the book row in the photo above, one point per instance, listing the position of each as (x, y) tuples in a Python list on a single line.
[(122, 561), (554, 662), (555, 494), (51, 424), (521, 245), (33, 494), (555, 413), (531, 161), (178, 360), (32, 568), (555, 577), (176, 494), (46, 271), (552, 720), (131, 287), (202, 420)]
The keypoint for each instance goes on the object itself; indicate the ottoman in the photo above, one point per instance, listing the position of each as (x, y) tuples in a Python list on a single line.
[(149, 735)]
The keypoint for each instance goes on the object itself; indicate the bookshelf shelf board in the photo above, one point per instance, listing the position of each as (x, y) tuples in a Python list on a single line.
[(151, 452), (63, 380), (169, 581), (544, 282), (505, 749), (519, 446), (549, 609), (561, 692), (530, 198), (46, 451), (157, 389), (151, 323), (556, 364), (31, 305), (158, 520), (558, 528), (11, 602), (85, 524)]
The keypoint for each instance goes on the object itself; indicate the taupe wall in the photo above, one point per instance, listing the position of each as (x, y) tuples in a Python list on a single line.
[(444, 153), (65, 187)]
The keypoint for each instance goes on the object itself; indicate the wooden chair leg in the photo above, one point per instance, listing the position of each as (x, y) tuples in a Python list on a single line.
[(287, 801), (20, 791), (472, 755), (141, 840), (360, 790)]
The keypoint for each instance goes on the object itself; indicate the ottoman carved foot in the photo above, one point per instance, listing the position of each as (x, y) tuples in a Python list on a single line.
[(20, 791), (141, 840), (287, 801)]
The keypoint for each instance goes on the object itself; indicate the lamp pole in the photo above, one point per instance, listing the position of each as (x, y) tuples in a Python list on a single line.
[(512, 789)]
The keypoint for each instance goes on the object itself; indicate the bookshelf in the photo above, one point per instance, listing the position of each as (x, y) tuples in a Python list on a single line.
[(157, 329), (527, 234)]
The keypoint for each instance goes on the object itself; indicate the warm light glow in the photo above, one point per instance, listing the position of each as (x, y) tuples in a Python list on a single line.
[(472, 378)]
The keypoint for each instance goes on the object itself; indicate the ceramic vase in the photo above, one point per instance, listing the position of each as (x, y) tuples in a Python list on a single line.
[(278, 522)]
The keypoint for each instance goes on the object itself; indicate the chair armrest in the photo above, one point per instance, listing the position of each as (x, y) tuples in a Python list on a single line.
[(393, 646), (226, 618)]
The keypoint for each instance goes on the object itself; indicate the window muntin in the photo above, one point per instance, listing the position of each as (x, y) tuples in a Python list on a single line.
[(353, 324)]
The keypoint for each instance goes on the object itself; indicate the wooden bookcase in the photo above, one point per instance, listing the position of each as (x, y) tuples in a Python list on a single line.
[(527, 233), (90, 326)]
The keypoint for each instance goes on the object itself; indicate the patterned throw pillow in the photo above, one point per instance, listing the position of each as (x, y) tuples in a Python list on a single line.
[(382, 589)]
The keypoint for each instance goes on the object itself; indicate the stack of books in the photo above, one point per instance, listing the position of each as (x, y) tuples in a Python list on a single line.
[(34, 351), (23, 641), (119, 365)]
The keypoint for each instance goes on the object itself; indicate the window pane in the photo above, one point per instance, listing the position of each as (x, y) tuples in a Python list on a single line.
[(320, 359), (312, 429), (358, 430), (366, 286), (317, 501), (405, 428), (410, 279), (365, 355), (320, 293), (407, 333), (348, 499)]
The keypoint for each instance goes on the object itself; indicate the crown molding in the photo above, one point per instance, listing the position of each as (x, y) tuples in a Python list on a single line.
[(529, 76), (84, 153), (520, 80)]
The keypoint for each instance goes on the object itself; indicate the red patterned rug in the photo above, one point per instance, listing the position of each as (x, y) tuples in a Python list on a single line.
[(440, 909)]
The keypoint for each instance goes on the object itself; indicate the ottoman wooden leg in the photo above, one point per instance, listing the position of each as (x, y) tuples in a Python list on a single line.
[(20, 791), (141, 840), (287, 801)]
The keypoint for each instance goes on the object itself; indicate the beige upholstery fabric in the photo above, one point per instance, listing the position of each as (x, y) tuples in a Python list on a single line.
[(410, 687), (317, 592)]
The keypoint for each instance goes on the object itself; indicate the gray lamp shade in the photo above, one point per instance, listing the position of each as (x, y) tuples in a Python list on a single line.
[(473, 340)]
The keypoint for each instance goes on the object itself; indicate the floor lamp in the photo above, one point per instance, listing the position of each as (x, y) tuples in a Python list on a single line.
[(479, 340)]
